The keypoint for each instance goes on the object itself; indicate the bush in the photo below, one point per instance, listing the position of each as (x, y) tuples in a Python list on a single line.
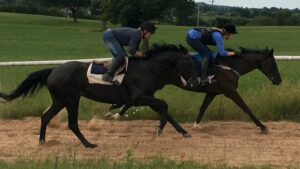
[(241, 21), (265, 21)]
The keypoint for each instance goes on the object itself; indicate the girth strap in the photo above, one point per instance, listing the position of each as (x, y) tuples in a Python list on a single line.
[(229, 69)]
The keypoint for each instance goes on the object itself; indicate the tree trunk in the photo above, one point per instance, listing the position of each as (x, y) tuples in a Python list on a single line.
[(104, 25), (74, 14)]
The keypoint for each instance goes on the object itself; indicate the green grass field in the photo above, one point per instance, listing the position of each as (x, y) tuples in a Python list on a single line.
[(30, 37), (105, 164), (129, 162)]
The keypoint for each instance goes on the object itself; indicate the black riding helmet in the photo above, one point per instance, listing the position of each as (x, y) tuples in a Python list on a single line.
[(148, 26), (230, 28)]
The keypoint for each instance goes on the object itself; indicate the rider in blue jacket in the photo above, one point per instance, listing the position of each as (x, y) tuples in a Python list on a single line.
[(199, 38)]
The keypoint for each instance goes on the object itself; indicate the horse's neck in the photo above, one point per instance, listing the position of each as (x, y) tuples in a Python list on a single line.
[(158, 65), (238, 64), (155, 67)]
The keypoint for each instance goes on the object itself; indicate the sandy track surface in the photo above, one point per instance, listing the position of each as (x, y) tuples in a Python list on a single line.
[(233, 143)]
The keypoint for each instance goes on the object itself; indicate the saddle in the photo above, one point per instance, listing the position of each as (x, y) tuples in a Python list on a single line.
[(97, 69)]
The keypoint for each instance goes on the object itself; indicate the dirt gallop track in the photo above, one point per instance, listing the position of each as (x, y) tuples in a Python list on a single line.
[(233, 143)]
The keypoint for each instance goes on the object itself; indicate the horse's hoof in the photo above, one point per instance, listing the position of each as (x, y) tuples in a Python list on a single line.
[(42, 142), (116, 116), (187, 135), (158, 131), (196, 125), (91, 145), (3, 100), (264, 131)]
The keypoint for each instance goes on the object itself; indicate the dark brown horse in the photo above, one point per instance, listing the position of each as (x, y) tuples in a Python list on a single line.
[(230, 70), (68, 82)]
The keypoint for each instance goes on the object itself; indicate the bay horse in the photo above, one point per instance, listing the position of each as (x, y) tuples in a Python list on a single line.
[(229, 71), (68, 82)]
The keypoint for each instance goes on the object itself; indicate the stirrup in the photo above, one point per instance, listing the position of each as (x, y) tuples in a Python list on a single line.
[(115, 82), (204, 81), (110, 79), (107, 77), (208, 80)]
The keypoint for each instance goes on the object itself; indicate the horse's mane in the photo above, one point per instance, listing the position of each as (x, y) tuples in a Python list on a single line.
[(158, 48), (245, 50), (243, 53)]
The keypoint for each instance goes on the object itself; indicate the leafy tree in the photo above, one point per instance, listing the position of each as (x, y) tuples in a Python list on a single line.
[(72, 5), (282, 17), (220, 21), (133, 12), (183, 10), (104, 9)]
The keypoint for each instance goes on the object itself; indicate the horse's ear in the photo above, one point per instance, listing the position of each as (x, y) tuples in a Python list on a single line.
[(271, 52), (180, 46), (267, 49), (242, 49), (183, 49)]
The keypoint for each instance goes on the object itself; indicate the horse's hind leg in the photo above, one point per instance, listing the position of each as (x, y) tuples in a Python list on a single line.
[(161, 107), (72, 109), (207, 100), (48, 115), (122, 112)]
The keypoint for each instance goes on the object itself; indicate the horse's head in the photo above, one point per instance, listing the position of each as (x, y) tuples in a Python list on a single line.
[(265, 62), (184, 65), (176, 61)]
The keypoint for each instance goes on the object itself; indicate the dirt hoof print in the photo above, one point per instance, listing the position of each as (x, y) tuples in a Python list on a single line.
[(264, 131), (187, 135), (50, 143)]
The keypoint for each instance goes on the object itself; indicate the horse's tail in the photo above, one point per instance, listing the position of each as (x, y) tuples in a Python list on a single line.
[(29, 86)]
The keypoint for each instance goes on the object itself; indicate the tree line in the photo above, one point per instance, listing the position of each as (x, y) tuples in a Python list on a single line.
[(133, 12), (249, 16), (124, 12)]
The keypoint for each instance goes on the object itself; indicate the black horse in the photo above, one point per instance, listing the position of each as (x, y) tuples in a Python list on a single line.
[(230, 70), (68, 82)]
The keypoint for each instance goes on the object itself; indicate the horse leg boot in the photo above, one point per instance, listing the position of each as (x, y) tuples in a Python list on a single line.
[(109, 75), (205, 64)]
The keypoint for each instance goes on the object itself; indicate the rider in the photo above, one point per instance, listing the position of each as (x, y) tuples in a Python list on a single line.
[(199, 38), (116, 39)]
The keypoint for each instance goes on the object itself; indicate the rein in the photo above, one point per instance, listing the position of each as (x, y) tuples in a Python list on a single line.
[(233, 70)]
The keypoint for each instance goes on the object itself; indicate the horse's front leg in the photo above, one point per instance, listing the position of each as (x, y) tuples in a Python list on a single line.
[(237, 99), (161, 107)]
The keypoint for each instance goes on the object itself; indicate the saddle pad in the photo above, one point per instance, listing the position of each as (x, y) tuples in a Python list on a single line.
[(98, 68), (95, 78)]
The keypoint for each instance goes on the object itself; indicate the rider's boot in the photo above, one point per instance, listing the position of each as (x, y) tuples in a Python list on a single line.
[(109, 75), (205, 65)]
